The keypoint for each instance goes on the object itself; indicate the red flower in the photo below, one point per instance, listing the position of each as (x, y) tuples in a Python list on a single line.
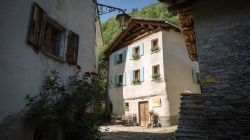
[(87, 74), (94, 73), (78, 67)]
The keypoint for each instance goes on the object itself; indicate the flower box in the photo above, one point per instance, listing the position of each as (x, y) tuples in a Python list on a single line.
[(155, 49), (156, 76), (136, 82), (136, 56)]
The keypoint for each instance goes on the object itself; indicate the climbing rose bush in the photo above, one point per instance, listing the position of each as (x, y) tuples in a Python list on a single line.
[(71, 108)]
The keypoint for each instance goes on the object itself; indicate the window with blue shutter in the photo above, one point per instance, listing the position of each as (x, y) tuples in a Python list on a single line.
[(142, 74), (124, 79), (131, 76), (142, 49), (124, 54)]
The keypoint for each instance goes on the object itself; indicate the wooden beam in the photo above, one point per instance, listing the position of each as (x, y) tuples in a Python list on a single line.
[(140, 37), (150, 27), (136, 34), (111, 48)]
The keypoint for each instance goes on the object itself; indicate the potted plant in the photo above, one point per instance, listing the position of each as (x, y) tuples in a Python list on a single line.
[(156, 76), (136, 56), (136, 81), (154, 48)]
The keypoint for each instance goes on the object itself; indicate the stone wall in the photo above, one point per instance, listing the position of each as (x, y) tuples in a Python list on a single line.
[(223, 40), (191, 122)]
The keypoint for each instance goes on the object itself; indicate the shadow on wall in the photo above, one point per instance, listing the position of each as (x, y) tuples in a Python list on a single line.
[(118, 79), (123, 135)]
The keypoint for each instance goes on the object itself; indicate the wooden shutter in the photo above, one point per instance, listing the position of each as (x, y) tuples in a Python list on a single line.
[(72, 48), (141, 49), (37, 27), (130, 53), (115, 58), (115, 80), (142, 74), (124, 54), (124, 79), (131, 76)]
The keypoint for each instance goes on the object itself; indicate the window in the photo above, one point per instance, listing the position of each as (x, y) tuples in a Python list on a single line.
[(156, 72), (120, 80), (126, 107), (54, 39), (136, 54), (154, 45), (137, 50), (136, 77), (47, 35), (196, 77), (119, 59)]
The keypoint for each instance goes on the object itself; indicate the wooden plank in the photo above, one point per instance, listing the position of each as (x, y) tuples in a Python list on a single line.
[(139, 37)]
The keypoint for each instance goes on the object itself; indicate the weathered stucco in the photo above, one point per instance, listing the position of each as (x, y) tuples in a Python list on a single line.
[(176, 77), (223, 40), (22, 70), (178, 70)]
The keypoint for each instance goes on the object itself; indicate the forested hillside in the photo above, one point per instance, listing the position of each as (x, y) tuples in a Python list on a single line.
[(155, 11)]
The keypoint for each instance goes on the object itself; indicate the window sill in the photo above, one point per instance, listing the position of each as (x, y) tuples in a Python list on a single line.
[(136, 59), (61, 60), (119, 63), (156, 51), (136, 83), (156, 79), (120, 85)]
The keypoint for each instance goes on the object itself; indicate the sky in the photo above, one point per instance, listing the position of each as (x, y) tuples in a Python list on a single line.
[(124, 4)]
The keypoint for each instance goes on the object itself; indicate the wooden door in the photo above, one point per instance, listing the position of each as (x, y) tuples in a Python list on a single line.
[(143, 113)]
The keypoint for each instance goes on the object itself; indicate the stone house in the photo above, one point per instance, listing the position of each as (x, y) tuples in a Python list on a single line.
[(39, 36), (217, 35), (149, 67)]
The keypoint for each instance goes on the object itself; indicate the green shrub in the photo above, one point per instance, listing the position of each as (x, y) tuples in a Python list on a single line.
[(72, 108)]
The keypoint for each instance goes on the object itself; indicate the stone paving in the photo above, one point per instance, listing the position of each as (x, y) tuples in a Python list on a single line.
[(119, 132)]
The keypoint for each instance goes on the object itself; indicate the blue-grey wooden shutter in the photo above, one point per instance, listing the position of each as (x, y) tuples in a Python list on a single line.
[(115, 58), (124, 54), (115, 80), (131, 76), (142, 74), (142, 49), (124, 79), (130, 53)]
